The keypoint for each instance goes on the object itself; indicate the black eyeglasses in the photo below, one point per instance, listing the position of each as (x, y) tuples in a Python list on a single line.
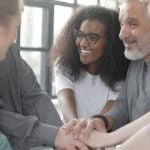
[(91, 38)]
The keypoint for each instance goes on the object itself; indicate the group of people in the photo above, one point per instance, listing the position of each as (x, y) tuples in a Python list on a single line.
[(133, 100), (98, 88)]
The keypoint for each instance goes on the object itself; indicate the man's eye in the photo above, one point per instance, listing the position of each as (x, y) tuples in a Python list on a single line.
[(132, 24)]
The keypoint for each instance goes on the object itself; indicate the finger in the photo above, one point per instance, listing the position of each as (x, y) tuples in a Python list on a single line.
[(71, 148), (77, 129), (81, 146), (70, 125), (88, 129)]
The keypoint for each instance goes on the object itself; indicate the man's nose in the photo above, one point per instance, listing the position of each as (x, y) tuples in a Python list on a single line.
[(124, 32)]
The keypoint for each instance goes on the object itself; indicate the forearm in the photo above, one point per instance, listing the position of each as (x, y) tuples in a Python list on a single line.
[(43, 134), (68, 105), (15, 124), (69, 111), (125, 132), (140, 140), (27, 128), (99, 139), (107, 107)]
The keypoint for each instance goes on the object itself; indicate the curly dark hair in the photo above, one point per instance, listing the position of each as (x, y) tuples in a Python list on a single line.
[(113, 64)]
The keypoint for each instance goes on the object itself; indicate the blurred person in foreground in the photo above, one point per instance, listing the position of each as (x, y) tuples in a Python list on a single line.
[(27, 116)]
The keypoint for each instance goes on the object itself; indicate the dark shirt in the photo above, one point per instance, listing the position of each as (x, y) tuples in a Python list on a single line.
[(27, 115)]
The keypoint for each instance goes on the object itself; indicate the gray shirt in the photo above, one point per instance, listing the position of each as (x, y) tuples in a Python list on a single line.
[(134, 98), (27, 116)]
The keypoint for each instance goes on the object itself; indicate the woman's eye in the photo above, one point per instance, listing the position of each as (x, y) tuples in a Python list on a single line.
[(93, 37)]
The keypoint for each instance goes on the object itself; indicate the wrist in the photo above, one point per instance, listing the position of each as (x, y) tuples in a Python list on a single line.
[(113, 138), (104, 119)]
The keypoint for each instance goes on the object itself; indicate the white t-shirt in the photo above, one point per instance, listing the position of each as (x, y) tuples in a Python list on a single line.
[(91, 93)]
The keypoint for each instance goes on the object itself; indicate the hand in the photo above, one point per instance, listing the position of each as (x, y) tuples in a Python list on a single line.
[(65, 141), (77, 125), (96, 139)]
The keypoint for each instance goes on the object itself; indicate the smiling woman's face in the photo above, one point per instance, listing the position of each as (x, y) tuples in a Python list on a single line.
[(90, 53)]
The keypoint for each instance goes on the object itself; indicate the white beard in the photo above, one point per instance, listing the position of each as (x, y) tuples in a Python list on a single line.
[(134, 54)]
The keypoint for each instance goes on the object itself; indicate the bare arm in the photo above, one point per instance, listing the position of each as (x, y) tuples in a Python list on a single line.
[(140, 140), (107, 106), (68, 105), (98, 139), (125, 132)]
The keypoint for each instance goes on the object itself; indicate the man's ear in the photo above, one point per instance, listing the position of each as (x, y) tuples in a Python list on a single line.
[(1, 30)]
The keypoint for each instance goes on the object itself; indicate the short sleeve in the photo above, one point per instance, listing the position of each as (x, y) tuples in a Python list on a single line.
[(62, 82), (113, 95)]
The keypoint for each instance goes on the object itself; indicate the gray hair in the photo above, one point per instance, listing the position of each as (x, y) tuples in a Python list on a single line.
[(146, 3)]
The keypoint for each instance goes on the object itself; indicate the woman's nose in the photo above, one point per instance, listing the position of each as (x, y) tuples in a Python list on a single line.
[(84, 42)]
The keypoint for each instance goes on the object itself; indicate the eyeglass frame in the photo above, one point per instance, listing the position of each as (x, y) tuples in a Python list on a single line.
[(86, 36)]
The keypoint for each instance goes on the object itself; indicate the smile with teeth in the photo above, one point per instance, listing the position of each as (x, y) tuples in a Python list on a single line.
[(128, 45), (85, 52)]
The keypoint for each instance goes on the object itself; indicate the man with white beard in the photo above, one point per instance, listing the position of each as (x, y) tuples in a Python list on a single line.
[(134, 99)]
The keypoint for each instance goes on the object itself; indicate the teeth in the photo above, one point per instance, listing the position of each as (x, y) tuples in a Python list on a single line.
[(85, 51)]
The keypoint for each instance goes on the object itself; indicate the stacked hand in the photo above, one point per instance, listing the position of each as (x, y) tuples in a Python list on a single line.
[(80, 132), (66, 141)]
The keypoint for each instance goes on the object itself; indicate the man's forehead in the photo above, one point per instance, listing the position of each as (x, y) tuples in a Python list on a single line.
[(132, 9), (143, 3)]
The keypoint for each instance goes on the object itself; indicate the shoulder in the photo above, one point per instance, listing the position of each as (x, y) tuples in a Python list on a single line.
[(14, 50), (13, 53), (61, 70)]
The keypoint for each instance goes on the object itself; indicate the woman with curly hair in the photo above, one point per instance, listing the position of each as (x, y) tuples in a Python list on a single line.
[(90, 63)]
